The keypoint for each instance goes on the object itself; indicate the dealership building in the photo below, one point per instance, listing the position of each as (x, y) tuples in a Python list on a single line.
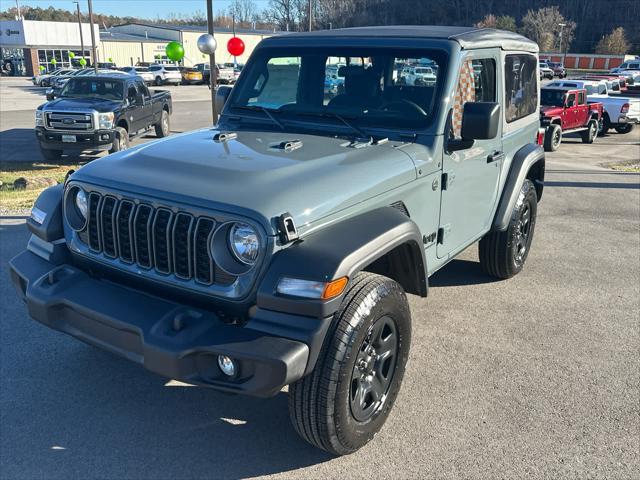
[(25, 45)]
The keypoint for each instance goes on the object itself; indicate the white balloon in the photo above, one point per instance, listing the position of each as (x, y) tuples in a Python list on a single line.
[(207, 44)]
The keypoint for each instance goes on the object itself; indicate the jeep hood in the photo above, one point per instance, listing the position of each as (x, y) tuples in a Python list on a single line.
[(252, 175), (550, 110)]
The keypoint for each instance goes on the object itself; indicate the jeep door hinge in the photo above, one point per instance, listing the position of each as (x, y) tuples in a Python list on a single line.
[(443, 232), (447, 180)]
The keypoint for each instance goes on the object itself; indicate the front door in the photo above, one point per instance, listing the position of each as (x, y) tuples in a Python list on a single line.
[(470, 176)]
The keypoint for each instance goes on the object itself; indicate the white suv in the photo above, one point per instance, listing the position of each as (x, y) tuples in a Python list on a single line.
[(415, 76), (163, 74)]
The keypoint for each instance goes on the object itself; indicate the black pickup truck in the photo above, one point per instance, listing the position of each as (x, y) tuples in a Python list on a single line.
[(100, 112)]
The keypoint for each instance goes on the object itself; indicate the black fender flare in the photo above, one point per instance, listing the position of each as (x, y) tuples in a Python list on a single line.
[(340, 250), (527, 157), (48, 209)]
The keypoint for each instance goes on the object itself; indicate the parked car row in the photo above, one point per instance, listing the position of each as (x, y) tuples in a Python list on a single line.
[(590, 105)]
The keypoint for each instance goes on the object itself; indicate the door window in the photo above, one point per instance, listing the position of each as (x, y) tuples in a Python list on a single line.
[(131, 94), (476, 83), (571, 100), (521, 86), (580, 98)]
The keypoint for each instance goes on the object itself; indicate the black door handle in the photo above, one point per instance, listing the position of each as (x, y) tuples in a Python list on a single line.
[(495, 157)]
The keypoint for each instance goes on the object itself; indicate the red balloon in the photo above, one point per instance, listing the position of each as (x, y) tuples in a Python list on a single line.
[(235, 46)]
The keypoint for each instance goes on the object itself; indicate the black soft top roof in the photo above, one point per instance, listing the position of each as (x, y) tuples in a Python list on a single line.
[(466, 37)]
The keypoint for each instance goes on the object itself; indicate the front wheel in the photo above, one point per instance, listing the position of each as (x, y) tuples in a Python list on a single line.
[(162, 127), (552, 138), (589, 135), (121, 142), (158, 82), (626, 128), (345, 401), (503, 254)]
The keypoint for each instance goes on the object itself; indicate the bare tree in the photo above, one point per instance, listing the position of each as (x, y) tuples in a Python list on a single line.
[(544, 25), (244, 11), (503, 22), (614, 43)]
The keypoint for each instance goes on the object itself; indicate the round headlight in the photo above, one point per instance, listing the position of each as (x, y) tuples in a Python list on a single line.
[(81, 203), (76, 208), (244, 243)]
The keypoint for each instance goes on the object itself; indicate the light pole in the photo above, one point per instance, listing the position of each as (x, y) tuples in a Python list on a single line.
[(310, 18), (561, 25), (93, 38), (80, 26), (213, 74)]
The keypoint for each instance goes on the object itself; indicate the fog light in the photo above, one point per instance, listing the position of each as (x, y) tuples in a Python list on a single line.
[(227, 365), (105, 136)]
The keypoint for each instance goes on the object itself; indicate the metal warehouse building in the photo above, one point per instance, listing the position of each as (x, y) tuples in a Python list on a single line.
[(27, 44)]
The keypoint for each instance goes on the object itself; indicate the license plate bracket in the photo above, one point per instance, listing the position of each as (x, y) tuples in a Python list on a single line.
[(69, 139)]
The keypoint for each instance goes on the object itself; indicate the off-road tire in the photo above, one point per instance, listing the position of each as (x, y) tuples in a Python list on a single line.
[(51, 155), (552, 138), (605, 125), (121, 142), (320, 404), (163, 127), (503, 254), (590, 134), (158, 82), (626, 128)]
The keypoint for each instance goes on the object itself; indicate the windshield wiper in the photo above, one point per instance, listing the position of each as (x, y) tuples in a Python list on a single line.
[(266, 111), (362, 134)]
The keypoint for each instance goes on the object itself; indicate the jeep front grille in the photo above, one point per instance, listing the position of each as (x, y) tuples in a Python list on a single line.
[(171, 242), (69, 121)]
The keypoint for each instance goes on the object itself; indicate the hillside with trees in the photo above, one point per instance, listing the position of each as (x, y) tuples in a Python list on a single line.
[(610, 26)]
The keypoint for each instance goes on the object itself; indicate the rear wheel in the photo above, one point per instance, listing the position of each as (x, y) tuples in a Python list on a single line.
[(503, 254), (552, 138), (345, 401), (51, 155), (163, 127), (589, 135), (121, 142), (158, 81), (626, 128), (604, 125)]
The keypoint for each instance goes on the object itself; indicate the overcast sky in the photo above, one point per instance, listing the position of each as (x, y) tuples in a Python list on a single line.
[(135, 8)]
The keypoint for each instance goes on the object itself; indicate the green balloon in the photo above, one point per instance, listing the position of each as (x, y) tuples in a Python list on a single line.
[(72, 55), (82, 62), (42, 69), (110, 60), (53, 61), (174, 51)]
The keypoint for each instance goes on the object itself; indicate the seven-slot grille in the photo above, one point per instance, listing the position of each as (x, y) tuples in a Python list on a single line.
[(171, 243), (69, 121)]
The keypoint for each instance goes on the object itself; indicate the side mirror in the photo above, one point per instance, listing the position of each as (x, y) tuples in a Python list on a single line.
[(222, 94), (50, 95), (480, 121)]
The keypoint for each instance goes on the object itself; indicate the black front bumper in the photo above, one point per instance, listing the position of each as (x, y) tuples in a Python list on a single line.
[(173, 340), (98, 140)]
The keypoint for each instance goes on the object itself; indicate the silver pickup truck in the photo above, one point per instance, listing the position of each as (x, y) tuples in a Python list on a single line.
[(278, 247)]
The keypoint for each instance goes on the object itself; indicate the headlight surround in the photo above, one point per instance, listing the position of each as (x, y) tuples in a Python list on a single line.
[(105, 121), (244, 243), (39, 118), (76, 207)]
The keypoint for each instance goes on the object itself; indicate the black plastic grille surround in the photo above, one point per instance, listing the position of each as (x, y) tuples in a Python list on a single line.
[(170, 242)]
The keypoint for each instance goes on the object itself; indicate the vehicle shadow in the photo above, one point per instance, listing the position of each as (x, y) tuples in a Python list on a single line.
[(72, 411), (460, 272), (612, 185)]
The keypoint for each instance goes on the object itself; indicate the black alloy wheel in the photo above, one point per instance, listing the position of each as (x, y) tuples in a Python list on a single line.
[(374, 368)]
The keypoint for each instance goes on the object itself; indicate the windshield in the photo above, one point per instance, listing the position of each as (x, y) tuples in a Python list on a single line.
[(141, 69), (369, 86), (553, 98), (103, 88)]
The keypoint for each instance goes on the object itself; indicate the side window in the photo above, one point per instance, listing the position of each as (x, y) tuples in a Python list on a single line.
[(476, 83), (571, 100), (521, 86), (142, 88), (580, 98), (131, 94)]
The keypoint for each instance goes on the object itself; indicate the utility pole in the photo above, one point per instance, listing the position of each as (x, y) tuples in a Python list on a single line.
[(310, 18), (213, 74), (19, 15), (561, 25), (80, 26), (93, 38), (233, 16)]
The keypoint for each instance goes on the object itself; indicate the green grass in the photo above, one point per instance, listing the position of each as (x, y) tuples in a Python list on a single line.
[(15, 200)]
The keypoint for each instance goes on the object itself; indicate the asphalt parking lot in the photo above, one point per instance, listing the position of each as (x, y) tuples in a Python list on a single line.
[(537, 376)]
